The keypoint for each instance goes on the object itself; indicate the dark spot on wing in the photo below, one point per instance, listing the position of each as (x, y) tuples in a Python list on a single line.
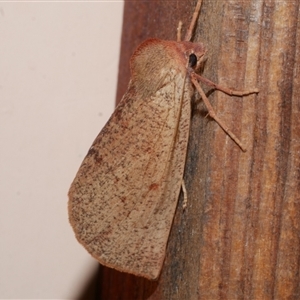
[(153, 186)]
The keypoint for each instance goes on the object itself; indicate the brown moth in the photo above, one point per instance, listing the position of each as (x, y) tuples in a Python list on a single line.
[(123, 198)]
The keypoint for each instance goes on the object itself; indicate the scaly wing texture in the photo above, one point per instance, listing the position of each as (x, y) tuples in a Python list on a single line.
[(123, 199)]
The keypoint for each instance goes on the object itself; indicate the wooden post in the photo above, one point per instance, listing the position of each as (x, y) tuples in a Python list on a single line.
[(238, 238)]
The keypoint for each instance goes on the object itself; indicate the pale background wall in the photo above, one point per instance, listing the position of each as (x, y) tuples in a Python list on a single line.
[(58, 73)]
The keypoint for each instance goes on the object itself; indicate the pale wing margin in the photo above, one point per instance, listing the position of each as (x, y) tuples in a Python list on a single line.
[(123, 198)]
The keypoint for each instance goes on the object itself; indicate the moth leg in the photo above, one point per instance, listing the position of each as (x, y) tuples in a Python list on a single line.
[(224, 89), (212, 113), (191, 28), (185, 199), (179, 30)]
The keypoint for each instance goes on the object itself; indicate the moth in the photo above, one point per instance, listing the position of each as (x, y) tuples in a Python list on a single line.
[(123, 198)]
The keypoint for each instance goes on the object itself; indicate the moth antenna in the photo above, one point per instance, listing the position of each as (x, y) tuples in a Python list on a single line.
[(213, 115), (191, 28), (179, 30)]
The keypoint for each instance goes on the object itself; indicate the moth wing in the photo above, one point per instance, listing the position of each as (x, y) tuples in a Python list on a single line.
[(123, 198)]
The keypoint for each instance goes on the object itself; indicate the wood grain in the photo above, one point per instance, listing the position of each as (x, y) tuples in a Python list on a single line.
[(239, 235)]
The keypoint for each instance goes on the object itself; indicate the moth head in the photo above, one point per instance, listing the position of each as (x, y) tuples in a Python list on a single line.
[(153, 62), (195, 58), (192, 54)]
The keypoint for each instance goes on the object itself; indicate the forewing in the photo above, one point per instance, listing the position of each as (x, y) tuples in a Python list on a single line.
[(124, 196)]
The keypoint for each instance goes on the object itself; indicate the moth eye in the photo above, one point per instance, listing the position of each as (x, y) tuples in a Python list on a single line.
[(192, 60)]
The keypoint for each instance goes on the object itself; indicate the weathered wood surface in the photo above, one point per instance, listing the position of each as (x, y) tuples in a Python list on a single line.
[(238, 238)]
